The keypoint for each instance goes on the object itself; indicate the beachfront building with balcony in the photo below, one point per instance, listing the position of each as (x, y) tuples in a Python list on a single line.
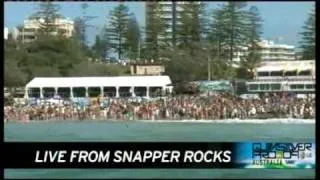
[(32, 25), (284, 76)]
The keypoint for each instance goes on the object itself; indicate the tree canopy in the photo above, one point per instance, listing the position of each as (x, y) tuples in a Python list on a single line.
[(308, 37), (51, 56), (197, 43)]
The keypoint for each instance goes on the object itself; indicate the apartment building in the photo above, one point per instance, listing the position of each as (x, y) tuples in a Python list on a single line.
[(32, 25), (270, 51)]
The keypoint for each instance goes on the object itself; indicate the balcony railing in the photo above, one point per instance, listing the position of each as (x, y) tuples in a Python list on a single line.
[(279, 78), (29, 33), (278, 57)]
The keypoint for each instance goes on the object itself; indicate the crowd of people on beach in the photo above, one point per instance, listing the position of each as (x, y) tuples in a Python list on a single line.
[(214, 107)]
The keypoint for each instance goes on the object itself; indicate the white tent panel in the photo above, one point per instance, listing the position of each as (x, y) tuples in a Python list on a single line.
[(287, 66), (116, 81)]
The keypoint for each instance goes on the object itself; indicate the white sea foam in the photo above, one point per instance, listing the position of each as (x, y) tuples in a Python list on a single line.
[(242, 121), (224, 121)]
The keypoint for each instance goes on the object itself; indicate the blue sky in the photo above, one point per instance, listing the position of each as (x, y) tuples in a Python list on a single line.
[(281, 19)]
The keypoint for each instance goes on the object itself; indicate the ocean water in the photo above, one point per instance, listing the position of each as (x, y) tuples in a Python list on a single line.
[(103, 131)]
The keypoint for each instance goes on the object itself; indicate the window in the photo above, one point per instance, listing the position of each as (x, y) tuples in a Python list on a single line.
[(264, 86), (297, 86), (253, 86), (155, 91), (300, 86), (79, 92), (34, 92), (294, 86), (263, 73), (125, 92), (309, 86), (109, 91), (94, 91), (290, 73), (304, 73), (276, 73), (275, 86), (140, 91), (48, 92), (64, 92)]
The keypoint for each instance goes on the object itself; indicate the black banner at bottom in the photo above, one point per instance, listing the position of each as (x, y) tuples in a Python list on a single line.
[(119, 155), (299, 155)]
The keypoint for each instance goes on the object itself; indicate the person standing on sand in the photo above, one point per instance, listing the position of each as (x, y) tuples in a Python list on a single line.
[(105, 113)]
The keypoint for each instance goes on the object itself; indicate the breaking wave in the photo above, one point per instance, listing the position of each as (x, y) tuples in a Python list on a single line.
[(240, 121)]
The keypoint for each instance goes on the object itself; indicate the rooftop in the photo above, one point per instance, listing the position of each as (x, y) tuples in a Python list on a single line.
[(271, 44), (287, 65), (120, 81)]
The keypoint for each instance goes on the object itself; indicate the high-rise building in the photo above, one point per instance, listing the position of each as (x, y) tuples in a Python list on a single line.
[(32, 25)]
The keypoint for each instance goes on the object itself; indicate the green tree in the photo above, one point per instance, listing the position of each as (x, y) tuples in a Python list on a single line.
[(254, 31), (308, 37), (48, 12), (191, 23), (183, 66), (249, 63), (133, 38), (53, 53), (234, 16), (81, 25), (219, 67), (78, 26), (100, 47), (118, 29), (217, 36), (254, 27), (156, 36), (80, 37), (144, 53), (86, 68), (219, 46), (13, 75)]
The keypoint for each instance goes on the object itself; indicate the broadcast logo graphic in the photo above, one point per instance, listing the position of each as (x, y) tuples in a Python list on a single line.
[(276, 155)]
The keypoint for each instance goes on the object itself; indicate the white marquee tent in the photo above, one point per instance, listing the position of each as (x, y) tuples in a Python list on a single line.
[(88, 82)]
